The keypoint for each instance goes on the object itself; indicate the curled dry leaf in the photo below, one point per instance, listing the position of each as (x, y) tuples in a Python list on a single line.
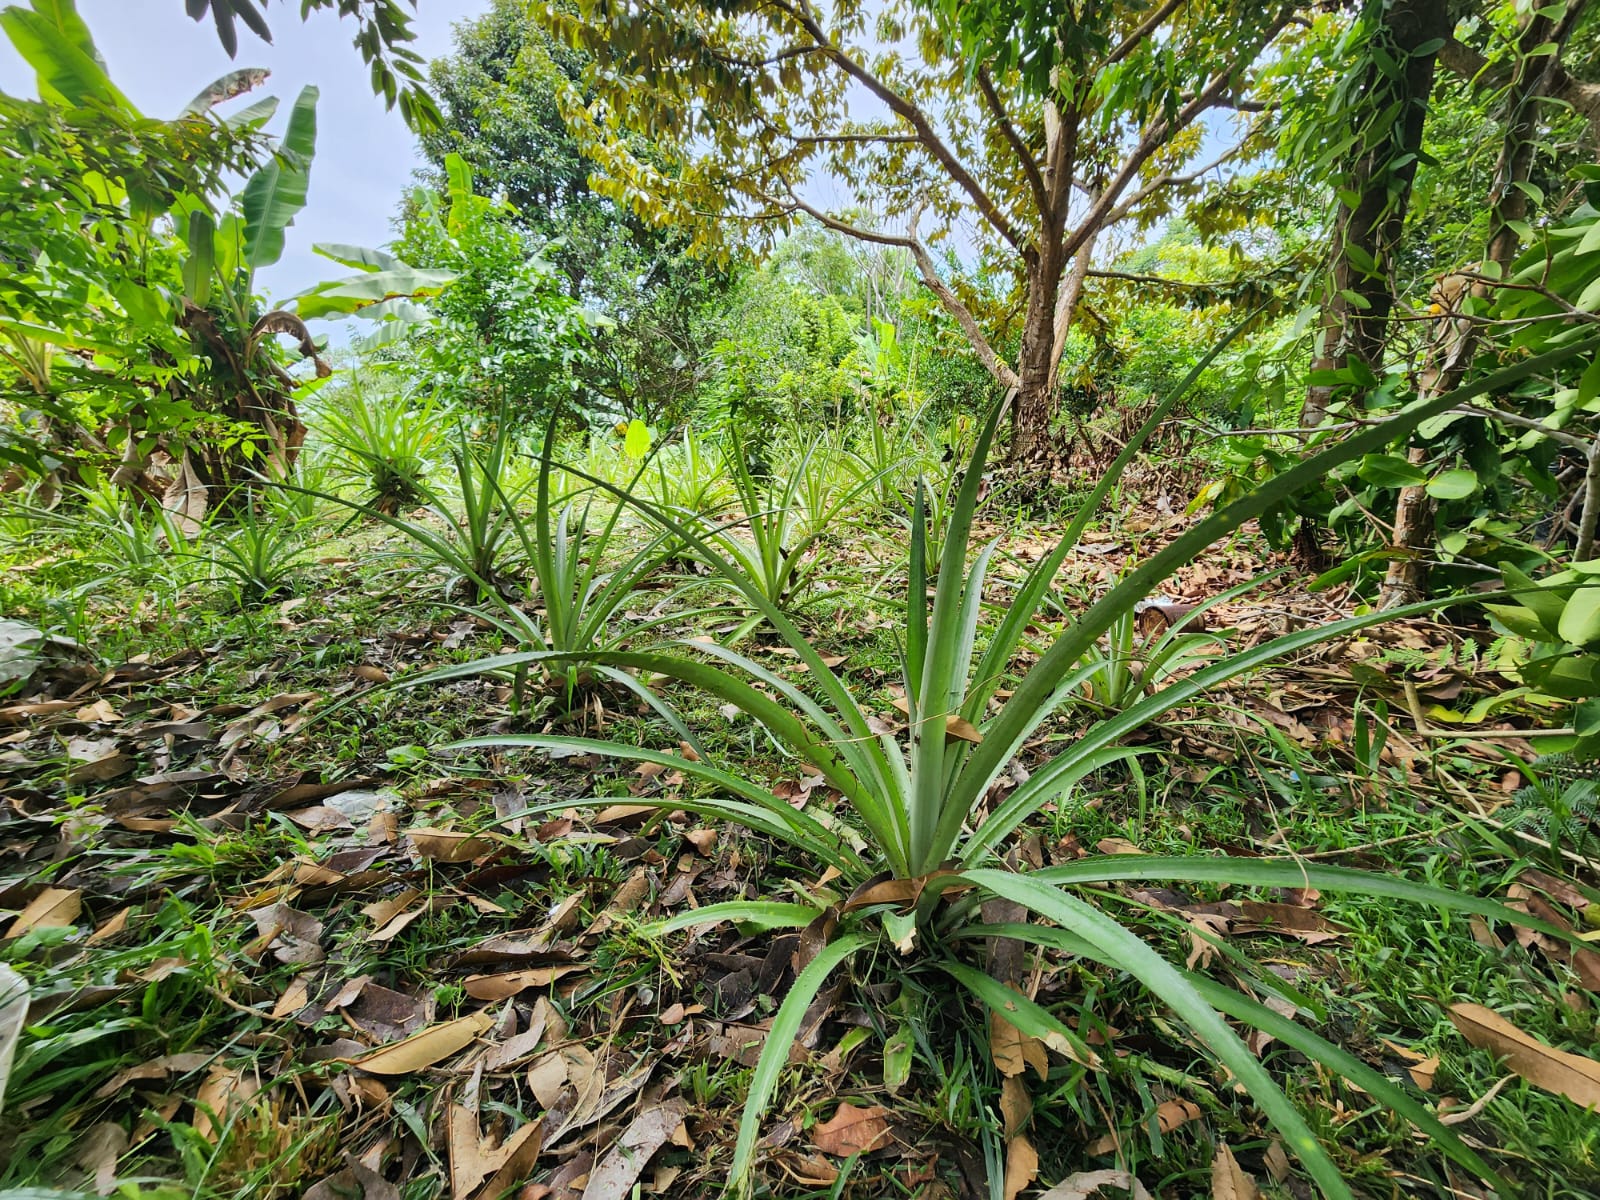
[(444, 845), (1570, 1075), (1169, 1115), (293, 936), (1088, 1183), (1014, 1051), (614, 1177), (852, 1130), (474, 1159), (959, 729), (224, 1090), (111, 927), (423, 1050), (1016, 1106)]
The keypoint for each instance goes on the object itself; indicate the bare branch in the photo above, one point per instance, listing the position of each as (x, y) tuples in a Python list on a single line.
[(1152, 141), (911, 114), (1477, 70), (1559, 436), (818, 139), (1156, 280), (1030, 165)]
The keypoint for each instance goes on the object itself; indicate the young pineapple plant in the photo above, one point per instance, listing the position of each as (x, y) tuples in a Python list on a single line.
[(919, 839)]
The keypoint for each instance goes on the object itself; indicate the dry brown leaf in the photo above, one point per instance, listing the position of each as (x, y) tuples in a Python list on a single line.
[(703, 840), (1014, 1051), (1116, 845), (1169, 1115), (1422, 1073), (293, 936), (614, 1177), (1087, 1183), (224, 1089), (473, 1159), (423, 1050), (852, 1130), (371, 674), (111, 927), (444, 845), (53, 908), (97, 1152), (384, 911), (1016, 1106), (959, 729), (100, 712), (156, 1068), (1022, 1166), (1228, 1179), (1570, 1075), (499, 987), (520, 1151), (295, 997), (810, 1169), (547, 1078)]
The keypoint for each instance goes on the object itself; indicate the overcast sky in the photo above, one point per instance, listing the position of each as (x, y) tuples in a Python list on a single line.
[(365, 155)]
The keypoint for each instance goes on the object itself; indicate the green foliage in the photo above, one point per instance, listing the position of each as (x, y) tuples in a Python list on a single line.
[(89, 328), (787, 358), (502, 93), (505, 333), (383, 31), (258, 556), (1553, 644), (786, 516)]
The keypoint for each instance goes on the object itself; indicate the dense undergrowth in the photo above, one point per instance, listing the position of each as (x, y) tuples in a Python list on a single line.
[(235, 721)]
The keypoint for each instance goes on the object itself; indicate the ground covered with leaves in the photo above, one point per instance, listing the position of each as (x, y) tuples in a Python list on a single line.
[(282, 942)]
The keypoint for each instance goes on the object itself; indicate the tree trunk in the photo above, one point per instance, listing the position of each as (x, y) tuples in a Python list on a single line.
[(1451, 348), (1032, 446), (1355, 314)]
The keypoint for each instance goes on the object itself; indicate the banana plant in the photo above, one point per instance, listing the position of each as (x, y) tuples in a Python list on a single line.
[(921, 826)]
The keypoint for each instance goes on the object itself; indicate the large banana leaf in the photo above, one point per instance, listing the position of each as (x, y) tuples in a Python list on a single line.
[(340, 297), (277, 192), (54, 41)]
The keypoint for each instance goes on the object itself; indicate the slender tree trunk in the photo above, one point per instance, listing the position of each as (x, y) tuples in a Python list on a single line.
[(1036, 399), (1360, 296), (1355, 315), (1031, 443), (1451, 349)]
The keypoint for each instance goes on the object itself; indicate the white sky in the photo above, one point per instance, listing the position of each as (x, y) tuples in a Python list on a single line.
[(365, 155)]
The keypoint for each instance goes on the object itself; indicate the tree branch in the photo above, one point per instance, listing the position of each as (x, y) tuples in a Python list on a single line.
[(911, 114), (1153, 140), (1168, 180), (1003, 374), (1477, 70), (1560, 436), (1150, 25), (1030, 165), (1157, 280)]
